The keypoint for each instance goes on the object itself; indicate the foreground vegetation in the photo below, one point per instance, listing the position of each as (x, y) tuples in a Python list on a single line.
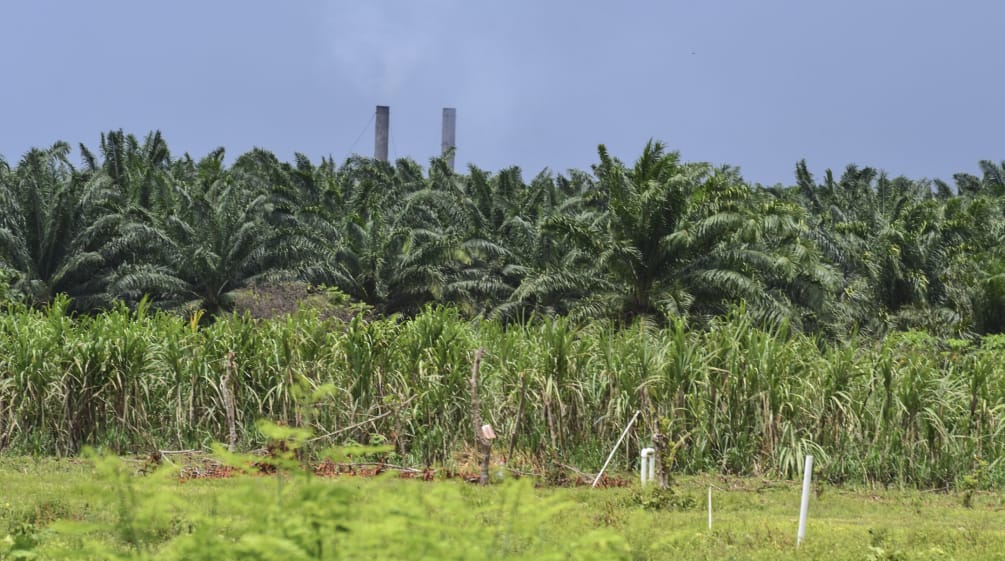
[(910, 410), (61, 510)]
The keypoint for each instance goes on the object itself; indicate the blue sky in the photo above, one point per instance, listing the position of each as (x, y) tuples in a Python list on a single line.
[(913, 87)]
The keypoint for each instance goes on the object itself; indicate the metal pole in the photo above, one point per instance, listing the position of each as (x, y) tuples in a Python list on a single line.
[(805, 505), (630, 423), (449, 135), (381, 133), (710, 507)]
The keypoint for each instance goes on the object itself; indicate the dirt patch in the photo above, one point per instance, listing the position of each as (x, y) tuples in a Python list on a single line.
[(207, 468), (283, 299)]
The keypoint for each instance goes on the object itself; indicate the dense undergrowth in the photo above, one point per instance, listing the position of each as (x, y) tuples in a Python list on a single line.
[(908, 410), (102, 508), (291, 516)]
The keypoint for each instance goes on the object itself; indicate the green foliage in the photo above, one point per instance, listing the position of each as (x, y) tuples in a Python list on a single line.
[(297, 516), (658, 498), (56, 235), (735, 398), (973, 481), (852, 317), (303, 517), (210, 240), (660, 239)]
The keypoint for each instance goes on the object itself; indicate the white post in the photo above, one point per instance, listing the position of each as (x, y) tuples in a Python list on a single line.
[(805, 505), (643, 467), (618, 443), (652, 465), (647, 465), (710, 508)]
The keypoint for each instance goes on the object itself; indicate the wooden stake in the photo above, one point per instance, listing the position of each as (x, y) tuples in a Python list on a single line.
[(3, 432), (228, 400), (484, 444), (519, 415)]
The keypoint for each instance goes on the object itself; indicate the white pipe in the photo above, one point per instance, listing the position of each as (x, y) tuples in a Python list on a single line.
[(643, 466), (710, 508), (646, 465), (805, 505), (611, 456), (652, 465), (642, 459)]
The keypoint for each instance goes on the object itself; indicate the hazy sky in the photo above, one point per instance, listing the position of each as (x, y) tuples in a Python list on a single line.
[(911, 86)]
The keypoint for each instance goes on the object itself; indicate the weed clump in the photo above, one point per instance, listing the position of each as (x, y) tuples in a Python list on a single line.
[(659, 498)]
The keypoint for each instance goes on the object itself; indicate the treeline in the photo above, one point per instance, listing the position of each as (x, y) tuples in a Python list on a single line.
[(736, 398), (661, 238)]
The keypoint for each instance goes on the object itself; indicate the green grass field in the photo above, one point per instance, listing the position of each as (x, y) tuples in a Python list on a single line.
[(104, 509)]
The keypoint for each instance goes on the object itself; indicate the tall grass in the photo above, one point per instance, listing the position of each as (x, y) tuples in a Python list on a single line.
[(908, 410)]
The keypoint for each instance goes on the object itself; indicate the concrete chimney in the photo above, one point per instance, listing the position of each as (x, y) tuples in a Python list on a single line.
[(381, 132), (449, 135)]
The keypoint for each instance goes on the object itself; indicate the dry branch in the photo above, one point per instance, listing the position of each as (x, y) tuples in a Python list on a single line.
[(228, 401), (361, 423)]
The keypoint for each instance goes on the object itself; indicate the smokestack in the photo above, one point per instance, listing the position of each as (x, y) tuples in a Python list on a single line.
[(381, 132), (449, 135)]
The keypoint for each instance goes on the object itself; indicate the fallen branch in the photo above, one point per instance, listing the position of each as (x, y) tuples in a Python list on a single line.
[(578, 472), (361, 423), (386, 466)]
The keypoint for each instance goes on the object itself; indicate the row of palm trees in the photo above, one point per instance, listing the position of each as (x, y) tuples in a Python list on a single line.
[(661, 238)]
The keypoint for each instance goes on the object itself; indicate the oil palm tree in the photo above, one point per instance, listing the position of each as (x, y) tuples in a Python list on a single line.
[(216, 239), (889, 241), (368, 233), (139, 173), (555, 276), (54, 234), (677, 239)]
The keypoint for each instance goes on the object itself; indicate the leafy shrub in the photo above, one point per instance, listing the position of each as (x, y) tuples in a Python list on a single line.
[(292, 515)]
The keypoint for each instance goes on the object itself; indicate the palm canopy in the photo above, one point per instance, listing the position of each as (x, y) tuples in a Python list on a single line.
[(659, 237), (891, 241), (552, 276), (363, 230), (138, 173), (216, 239), (673, 238), (55, 234)]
